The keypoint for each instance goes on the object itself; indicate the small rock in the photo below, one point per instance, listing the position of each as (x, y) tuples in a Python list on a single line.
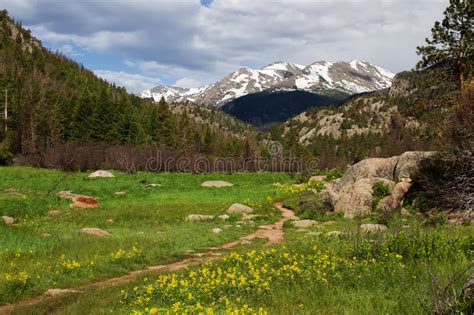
[(94, 232), (83, 202), (301, 224), (223, 217), (189, 251), (245, 242), (239, 209), (334, 233), (404, 212), (55, 213), (316, 179), (238, 226), (147, 186), (227, 226), (109, 221), (120, 193), (216, 230), (8, 220), (199, 217), (100, 173), (373, 228), (216, 183)]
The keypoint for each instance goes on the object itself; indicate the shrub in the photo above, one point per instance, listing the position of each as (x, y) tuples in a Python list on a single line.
[(380, 190)]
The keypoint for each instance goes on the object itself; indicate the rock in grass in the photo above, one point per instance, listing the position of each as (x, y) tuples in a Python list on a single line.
[(148, 186), (199, 217), (8, 220), (83, 202), (94, 232), (245, 242), (224, 217), (239, 209), (216, 183), (301, 224), (316, 179), (373, 228), (100, 173), (334, 233), (216, 230), (55, 213), (120, 193)]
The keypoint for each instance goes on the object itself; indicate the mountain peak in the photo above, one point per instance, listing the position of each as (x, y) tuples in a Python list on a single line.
[(322, 77)]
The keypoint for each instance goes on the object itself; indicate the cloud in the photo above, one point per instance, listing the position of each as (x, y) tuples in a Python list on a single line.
[(200, 41), (132, 82)]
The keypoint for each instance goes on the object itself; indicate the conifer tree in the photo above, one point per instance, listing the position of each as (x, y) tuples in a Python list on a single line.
[(452, 40)]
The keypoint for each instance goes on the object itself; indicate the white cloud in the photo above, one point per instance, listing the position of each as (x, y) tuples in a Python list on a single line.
[(132, 82), (188, 82), (185, 42)]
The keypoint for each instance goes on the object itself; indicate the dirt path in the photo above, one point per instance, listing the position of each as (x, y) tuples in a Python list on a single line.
[(273, 232)]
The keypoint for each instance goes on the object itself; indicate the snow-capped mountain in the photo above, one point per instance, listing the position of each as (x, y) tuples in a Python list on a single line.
[(322, 77)]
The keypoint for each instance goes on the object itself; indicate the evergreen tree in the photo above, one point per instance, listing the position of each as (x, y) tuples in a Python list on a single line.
[(452, 39)]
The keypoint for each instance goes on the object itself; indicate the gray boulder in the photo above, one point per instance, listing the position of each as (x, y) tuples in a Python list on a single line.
[(239, 209), (356, 199)]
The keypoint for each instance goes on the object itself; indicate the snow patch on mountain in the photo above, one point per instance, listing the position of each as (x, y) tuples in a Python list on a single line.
[(320, 77)]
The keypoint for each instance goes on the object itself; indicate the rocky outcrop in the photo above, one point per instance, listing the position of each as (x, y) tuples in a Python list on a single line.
[(353, 193)]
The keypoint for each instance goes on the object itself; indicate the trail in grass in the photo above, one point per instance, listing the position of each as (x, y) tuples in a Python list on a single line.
[(273, 232)]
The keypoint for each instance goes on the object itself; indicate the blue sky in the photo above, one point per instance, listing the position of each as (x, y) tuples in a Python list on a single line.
[(139, 44)]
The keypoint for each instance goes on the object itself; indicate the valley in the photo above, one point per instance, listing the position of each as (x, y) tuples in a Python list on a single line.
[(153, 161)]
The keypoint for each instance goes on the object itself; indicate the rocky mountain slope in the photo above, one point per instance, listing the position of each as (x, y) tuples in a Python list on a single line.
[(322, 77), (410, 115)]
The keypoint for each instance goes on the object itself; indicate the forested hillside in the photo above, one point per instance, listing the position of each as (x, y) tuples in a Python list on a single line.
[(51, 104)]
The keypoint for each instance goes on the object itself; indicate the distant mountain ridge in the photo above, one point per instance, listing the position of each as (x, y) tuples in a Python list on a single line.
[(321, 77)]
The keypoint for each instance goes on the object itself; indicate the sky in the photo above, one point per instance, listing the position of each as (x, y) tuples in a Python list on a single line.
[(139, 44)]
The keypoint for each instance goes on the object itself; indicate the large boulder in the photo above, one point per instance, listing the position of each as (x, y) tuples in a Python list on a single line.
[(216, 183), (239, 209), (368, 168), (409, 163), (100, 173), (353, 195), (356, 199)]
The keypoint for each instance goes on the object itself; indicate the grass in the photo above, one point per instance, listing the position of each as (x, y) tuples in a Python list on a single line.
[(148, 226), (412, 268)]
